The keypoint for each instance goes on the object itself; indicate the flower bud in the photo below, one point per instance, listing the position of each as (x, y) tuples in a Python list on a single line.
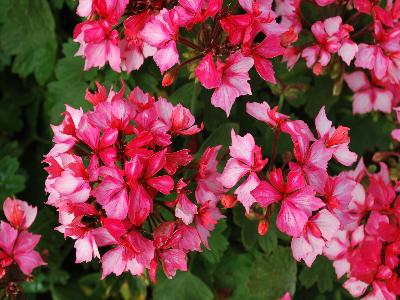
[(263, 227), (168, 79), (228, 201)]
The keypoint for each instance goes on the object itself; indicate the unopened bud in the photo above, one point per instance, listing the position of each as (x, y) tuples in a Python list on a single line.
[(168, 79), (318, 69), (288, 37), (228, 201), (263, 227)]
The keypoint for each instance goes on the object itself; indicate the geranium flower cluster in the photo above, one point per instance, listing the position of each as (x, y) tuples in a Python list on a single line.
[(308, 201), (349, 46), (17, 255), (226, 41), (224, 46), (367, 247), (122, 186)]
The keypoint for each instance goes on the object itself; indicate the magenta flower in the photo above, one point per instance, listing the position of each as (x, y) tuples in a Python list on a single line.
[(297, 198)]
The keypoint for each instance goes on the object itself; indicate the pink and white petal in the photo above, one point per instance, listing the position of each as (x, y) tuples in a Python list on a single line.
[(242, 147), (29, 261), (224, 97), (233, 172), (265, 194), (343, 155), (355, 287), (167, 57), (243, 192), (332, 25), (341, 266), (327, 223), (113, 262), (259, 111), (348, 51), (383, 101), (362, 102), (300, 248), (357, 81), (291, 220), (8, 236), (322, 123)]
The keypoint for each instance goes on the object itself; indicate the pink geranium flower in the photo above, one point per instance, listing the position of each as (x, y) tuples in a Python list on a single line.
[(332, 37), (297, 198), (99, 44), (317, 232), (19, 213), (245, 160), (336, 139), (368, 97), (162, 33), (133, 49)]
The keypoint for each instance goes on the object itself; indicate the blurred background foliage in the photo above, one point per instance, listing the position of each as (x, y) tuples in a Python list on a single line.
[(39, 75)]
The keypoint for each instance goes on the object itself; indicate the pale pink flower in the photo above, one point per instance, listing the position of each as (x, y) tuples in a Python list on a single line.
[(99, 44), (336, 139), (317, 232), (368, 97), (263, 113), (245, 160), (233, 81), (19, 213), (133, 49), (162, 33)]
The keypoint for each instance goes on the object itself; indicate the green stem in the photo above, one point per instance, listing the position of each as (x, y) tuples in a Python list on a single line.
[(193, 101)]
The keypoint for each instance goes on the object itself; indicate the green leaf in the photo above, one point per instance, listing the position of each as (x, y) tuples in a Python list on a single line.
[(218, 244), (28, 33), (232, 272), (273, 275), (71, 83), (10, 181), (183, 286), (269, 241), (318, 95), (320, 273)]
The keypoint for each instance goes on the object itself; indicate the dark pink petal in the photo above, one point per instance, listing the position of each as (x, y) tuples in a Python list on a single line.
[(156, 163), (264, 68), (266, 194), (163, 184), (140, 205), (291, 220), (28, 261), (173, 260), (207, 73), (8, 236)]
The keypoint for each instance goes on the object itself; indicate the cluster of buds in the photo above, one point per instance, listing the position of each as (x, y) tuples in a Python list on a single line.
[(307, 199), (17, 255), (121, 183)]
